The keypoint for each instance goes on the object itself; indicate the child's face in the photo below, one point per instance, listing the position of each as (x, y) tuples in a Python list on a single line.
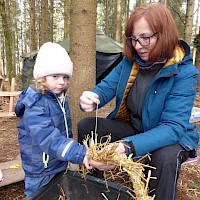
[(57, 83)]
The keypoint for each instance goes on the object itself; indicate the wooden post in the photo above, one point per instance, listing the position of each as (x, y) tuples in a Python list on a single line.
[(11, 94), (12, 89), (7, 85)]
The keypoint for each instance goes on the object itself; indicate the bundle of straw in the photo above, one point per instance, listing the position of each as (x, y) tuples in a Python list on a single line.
[(105, 152)]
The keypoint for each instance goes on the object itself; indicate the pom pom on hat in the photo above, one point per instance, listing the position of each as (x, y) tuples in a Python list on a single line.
[(52, 58)]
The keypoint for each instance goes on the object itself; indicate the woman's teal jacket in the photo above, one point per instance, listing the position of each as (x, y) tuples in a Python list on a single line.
[(167, 105)]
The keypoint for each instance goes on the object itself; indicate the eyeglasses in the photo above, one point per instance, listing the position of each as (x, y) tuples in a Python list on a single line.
[(144, 41)]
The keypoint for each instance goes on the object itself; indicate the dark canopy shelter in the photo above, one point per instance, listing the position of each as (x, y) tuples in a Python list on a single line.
[(108, 55)]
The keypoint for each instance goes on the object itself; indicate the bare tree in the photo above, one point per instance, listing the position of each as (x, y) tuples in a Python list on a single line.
[(196, 50), (82, 53), (196, 54), (33, 42), (189, 21), (8, 39), (119, 21), (44, 22), (51, 20), (24, 33), (66, 18), (127, 4), (106, 18)]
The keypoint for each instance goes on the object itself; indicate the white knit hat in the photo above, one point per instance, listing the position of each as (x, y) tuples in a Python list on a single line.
[(52, 58)]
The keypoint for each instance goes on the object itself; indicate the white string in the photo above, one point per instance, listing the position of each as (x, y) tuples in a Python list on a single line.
[(95, 131)]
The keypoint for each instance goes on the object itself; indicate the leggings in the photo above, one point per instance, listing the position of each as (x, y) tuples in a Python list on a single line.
[(167, 160)]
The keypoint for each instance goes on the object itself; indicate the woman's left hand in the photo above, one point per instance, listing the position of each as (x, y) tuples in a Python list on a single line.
[(102, 166)]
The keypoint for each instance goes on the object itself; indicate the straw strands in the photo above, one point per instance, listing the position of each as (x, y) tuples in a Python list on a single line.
[(105, 152)]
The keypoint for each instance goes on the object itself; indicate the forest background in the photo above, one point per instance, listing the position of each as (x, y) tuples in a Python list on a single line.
[(26, 24)]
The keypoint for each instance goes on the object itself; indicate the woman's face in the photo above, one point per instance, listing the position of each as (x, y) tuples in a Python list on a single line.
[(144, 39)]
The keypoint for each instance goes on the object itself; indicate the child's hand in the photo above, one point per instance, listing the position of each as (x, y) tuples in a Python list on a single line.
[(101, 166), (86, 162)]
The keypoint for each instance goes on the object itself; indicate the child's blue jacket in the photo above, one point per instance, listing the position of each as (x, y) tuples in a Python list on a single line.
[(167, 105), (42, 129)]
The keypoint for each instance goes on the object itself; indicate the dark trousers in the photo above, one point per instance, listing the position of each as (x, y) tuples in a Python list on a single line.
[(167, 160)]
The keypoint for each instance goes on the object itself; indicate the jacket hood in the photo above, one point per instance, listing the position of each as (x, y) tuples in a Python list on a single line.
[(186, 47), (181, 54), (26, 99)]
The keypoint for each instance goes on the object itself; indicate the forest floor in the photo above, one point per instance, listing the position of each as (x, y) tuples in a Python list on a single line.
[(188, 183)]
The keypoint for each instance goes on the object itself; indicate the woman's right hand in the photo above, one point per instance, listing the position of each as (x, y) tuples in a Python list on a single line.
[(88, 100), (104, 167)]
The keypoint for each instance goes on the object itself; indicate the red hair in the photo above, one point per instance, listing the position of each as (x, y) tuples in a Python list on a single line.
[(161, 22)]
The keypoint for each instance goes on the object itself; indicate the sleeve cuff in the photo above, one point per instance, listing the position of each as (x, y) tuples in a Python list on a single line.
[(129, 148)]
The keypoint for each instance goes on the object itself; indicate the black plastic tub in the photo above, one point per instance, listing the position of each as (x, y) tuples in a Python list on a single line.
[(71, 186)]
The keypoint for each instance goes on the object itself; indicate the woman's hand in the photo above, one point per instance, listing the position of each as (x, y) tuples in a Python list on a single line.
[(88, 100), (120, 148), (101, 166)]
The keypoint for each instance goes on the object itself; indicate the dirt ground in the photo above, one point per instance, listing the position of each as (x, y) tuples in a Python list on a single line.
[(188, 184)]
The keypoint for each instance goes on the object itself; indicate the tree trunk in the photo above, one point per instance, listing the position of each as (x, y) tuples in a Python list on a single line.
[(82, 53), (8, 39), (119, 21), (14, 34), (38, 22), (197, 64), (25, 28), (1, 65), (197, 31), (189, 21), (44, 22), (33, 43), (66, 18), (127, 10), (106, 18), (51, 21)]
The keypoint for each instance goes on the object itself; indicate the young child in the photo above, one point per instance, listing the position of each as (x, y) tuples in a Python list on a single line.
[(45, 128)]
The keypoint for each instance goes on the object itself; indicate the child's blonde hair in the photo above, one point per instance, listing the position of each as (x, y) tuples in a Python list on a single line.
[(40, 85)]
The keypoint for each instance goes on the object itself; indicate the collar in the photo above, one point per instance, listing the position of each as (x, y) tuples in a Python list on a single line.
[(150, 65), (178, 55)]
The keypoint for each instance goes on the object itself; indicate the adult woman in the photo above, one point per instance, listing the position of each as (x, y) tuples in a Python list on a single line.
[(155, 87)]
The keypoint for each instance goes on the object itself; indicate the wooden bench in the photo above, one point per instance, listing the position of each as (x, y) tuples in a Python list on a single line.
[(11, 175), (11, 94)]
